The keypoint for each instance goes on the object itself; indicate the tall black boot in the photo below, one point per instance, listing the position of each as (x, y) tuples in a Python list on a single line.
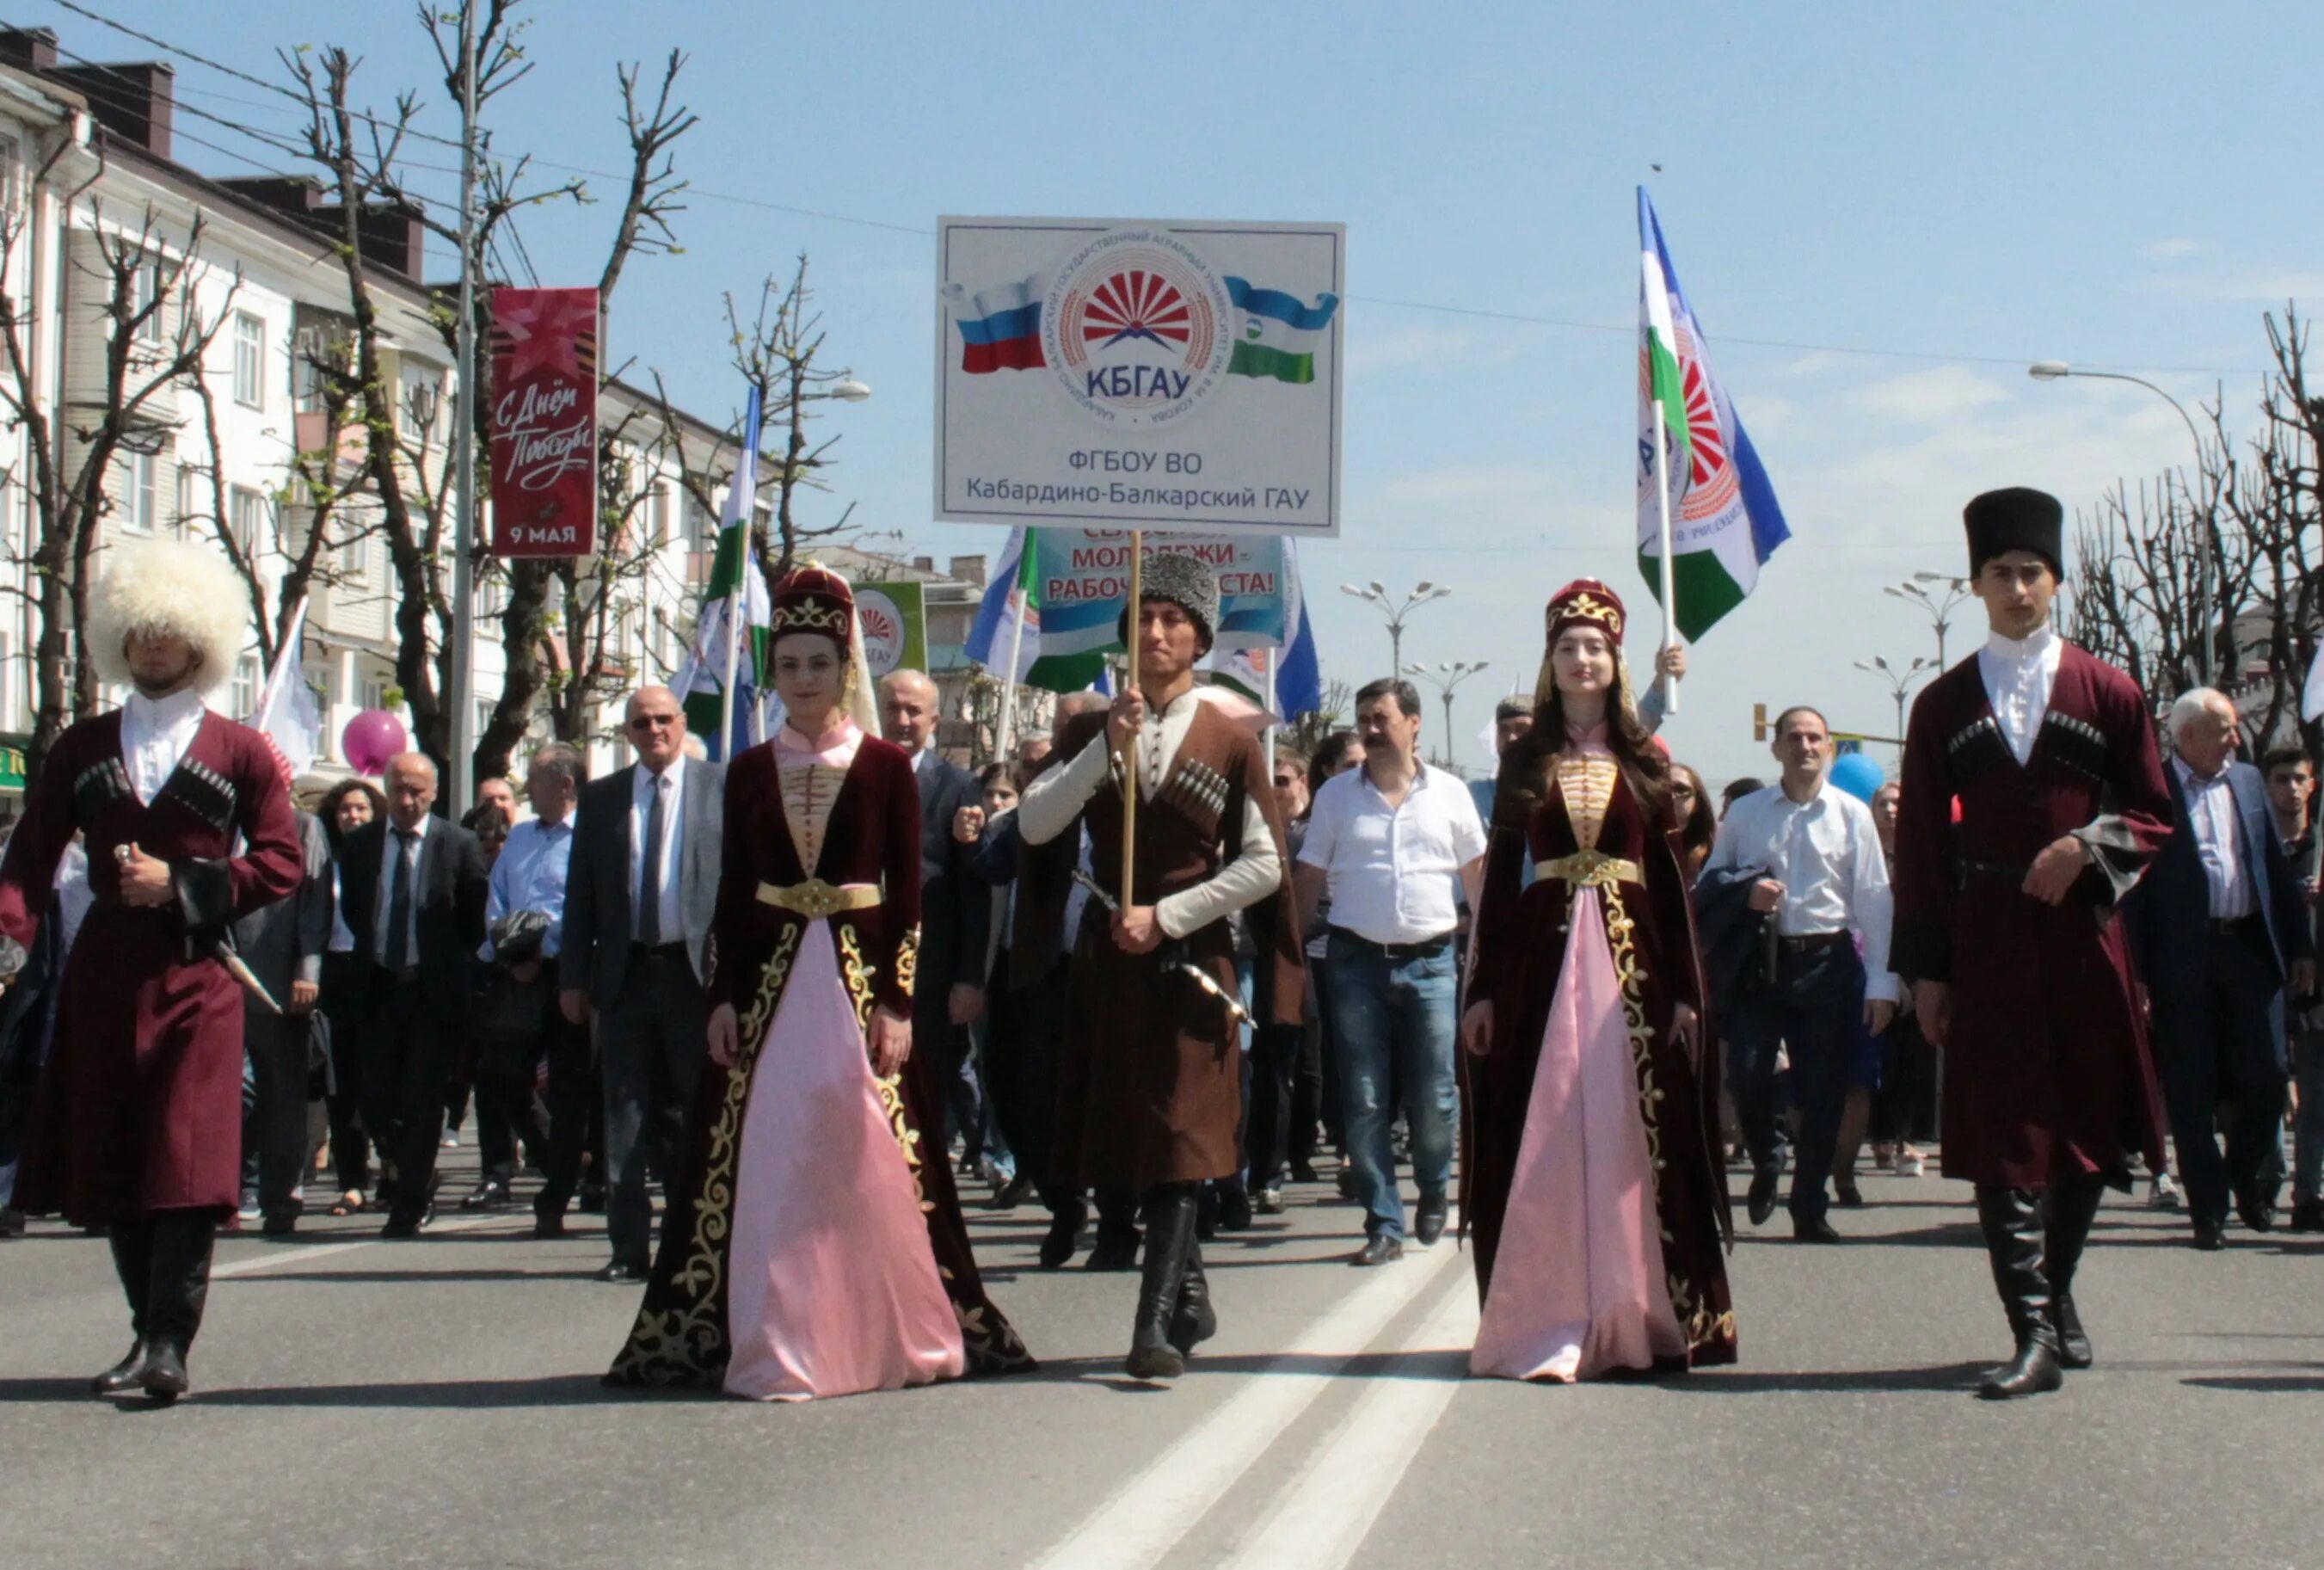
[(132, 1261), (1196, 1320), (2072, 1204), (2012, 1224), (1067, 1215), (182, 1242), (1170, 1244)]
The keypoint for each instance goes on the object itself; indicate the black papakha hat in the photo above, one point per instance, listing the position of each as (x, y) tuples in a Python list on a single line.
[(1185, 581), (2015, 518)]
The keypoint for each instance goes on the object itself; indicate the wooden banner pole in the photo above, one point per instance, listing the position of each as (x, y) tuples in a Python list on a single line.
[(1130, 752)]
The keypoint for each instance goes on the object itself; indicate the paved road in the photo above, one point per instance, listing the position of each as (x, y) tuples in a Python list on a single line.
[(436, 1403)]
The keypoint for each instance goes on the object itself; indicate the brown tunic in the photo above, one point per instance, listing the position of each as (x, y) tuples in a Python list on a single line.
[(1150, 1090)]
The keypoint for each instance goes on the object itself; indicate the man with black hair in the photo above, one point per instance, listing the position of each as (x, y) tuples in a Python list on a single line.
[(2291, 777), (1389, 844)]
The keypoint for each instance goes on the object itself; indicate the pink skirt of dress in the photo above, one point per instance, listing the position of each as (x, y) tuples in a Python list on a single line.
[(1579, 1286), (832, 1287)]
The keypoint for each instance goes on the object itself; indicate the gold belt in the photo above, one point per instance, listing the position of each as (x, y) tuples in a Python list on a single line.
[(815, 898), (1591, 869)]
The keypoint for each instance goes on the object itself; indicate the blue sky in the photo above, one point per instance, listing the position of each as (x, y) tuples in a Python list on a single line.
[(1973, 186)]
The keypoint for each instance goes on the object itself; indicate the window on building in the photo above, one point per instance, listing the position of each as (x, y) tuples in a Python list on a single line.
[(144, 290), (247, 516), (249, 361), (658, 517), (701, 525), (375, 691), (242, 698), (142, 506), (355, 557), (11, 173)]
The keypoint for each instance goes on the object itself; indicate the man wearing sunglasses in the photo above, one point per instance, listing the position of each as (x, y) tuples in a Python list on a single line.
[(638, 905)]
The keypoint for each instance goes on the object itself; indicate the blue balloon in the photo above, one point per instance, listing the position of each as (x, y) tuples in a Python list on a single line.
[(1857, 775)]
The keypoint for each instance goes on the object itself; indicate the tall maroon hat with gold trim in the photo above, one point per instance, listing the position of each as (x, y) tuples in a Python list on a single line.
[(813, 599), (1586, 600)]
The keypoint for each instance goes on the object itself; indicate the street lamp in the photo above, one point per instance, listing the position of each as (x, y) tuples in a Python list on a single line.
[(850, 389), (1900, 682), (1939, 609), (2058, 371), (1447, 676), (1422, 593)]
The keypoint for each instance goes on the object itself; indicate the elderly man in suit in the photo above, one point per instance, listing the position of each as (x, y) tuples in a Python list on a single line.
[(638, 904), (2220, 927), (956, 905), (282, 945), (414, 888)]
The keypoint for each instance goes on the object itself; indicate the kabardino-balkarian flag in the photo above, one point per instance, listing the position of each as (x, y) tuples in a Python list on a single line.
[(1724, 520), (1277, 335)]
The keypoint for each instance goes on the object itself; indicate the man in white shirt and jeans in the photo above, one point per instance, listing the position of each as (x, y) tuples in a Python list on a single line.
[(1388, 842), (1825, 884)]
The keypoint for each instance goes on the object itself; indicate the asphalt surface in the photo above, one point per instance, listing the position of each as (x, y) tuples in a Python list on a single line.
[(436, 1403)]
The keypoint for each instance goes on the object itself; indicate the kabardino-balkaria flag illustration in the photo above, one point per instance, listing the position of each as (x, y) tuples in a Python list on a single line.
[(1275, 335), (1724, 520)]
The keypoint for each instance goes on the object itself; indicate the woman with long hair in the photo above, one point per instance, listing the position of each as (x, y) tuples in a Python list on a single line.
[(1698, 821), (813, 1244), (1596, 1200), (345, 807)]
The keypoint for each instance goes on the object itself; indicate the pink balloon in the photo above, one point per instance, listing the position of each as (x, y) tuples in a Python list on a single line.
[(370, 740)]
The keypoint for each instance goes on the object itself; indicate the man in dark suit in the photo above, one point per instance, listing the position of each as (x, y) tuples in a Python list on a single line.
[(283, 945), (955, 906), (639, 898), (2220, 927), (414, 889)]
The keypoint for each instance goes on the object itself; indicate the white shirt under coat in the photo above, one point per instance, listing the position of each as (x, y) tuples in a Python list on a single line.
[(390, 847), (155, 733), (1826, 853), (1392, 872), (1055, 799), (657, 885), (2218, 842), (2018, 674)]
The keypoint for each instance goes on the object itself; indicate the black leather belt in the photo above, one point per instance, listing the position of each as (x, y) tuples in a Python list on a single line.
[(2233, 925), (2008, 871), (409, 973), (1811, 942), (657, 951), (1427, 948)]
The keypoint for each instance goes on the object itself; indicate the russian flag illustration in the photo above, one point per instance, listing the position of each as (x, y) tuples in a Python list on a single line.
[(1000, 328)]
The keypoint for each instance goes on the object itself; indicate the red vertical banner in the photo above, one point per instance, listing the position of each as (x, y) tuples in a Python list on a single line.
[(543, 421)]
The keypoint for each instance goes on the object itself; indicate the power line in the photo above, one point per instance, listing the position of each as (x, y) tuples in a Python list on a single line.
[(1528, 318)]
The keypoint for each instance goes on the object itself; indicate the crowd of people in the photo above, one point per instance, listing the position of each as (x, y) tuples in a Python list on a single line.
[(1146, 971)]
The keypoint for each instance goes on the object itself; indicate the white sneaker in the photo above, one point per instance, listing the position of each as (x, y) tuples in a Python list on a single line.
[(2162, 1194), (451, 1139), (1910, 1166)]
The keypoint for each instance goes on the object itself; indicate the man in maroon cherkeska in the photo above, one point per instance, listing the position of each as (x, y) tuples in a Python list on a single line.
[(2007, 927)]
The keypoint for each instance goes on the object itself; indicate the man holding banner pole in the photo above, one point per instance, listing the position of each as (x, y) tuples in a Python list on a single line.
[(1150, 1089)]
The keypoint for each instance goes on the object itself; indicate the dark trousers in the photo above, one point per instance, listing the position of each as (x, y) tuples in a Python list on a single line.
[(2222, 1045), (1811, 1011), (1023, 1045), (1272, 1108), (163, 1259), (575, 1099), (955, 1062), (274, 1127), (407, 1051), (651, 1042), (343, 978)]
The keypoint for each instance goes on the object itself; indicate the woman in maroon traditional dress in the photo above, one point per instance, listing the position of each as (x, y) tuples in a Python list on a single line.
[(1592, 1185), (815, 1245)]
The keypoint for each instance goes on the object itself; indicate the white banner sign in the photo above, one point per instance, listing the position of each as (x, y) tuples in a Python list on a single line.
[(1139, 374)]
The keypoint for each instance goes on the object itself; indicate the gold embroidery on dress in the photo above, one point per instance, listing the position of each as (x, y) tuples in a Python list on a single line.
[(1586, 781), (808, 791), (857, 974), (908, 963), (688, 1345)]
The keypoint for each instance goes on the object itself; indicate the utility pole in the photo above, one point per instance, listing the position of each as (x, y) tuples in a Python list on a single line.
[(464, 447)]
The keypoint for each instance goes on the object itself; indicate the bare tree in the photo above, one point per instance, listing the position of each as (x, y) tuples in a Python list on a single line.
[(144, 284), (2281, 513), (361, 156), (776, 353)]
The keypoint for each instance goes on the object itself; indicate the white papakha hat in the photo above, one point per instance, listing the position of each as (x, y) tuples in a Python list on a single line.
[(170, 588)]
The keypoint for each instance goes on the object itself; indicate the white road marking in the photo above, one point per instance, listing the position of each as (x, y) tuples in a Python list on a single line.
[(1141, 1523), (300, 1253), (1327, 1511)]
